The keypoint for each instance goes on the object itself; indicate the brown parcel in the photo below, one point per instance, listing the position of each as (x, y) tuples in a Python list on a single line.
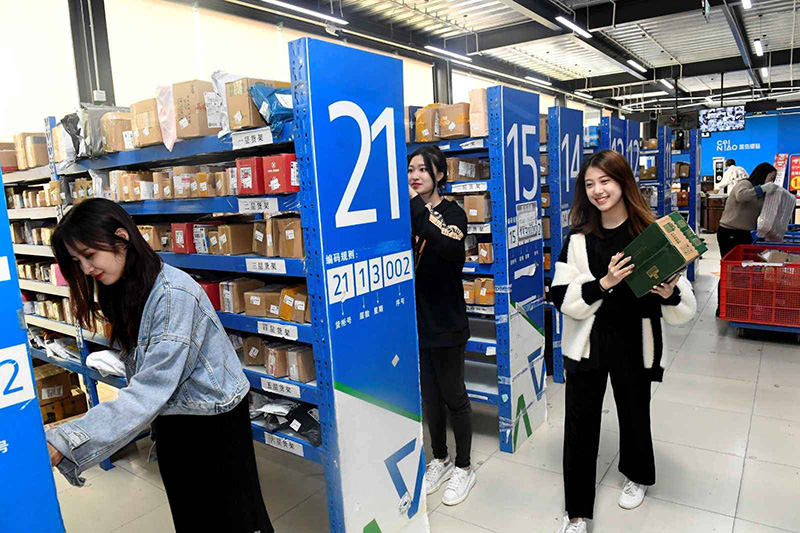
[(52, 383), (254, 351), (427, 124), (264, 302), (277, 359), (235, 239), (54, 191), (143, 186), (222, 184), (242, 112), (182, 179), (300, 311), (301, 364), (478, 113), (232, 293), (203, 185), (288, 296), (75, 404), (36, 151), (213, 242), (478, 208), (485, 253), (144, 121), (192, 114), (166, 240), (454, 121), (8, 157), (162, 186), (265, 238), (469, 292), (545, 227), (19, 146), (290, 237), (52, 412), (484, 291), (543, 128), (152, 235), (117, 132), (461, 169)]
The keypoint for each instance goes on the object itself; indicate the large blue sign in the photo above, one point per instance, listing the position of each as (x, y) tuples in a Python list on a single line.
[(633, 144), (613, 134)]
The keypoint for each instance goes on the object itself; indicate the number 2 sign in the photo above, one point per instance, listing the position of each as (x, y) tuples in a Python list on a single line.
[(16, 385)]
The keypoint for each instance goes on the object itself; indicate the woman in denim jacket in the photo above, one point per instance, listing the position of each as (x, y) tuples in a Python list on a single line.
[(184, 377)]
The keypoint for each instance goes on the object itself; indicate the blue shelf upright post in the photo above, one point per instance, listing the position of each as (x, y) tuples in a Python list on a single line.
[(695, 152), (519, 280), (665, 171), (356, 216), (614, 134), (27, 491), (565, 145)]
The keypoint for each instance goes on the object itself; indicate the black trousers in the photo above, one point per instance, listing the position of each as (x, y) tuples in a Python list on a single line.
[(208, 465), (443, 390), (728, 239), (584, 404)]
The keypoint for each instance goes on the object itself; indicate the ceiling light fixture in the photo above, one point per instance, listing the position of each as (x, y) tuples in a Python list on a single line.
[(574, 27), (640, 95), (747, 4), (759, 48), (584, 95), (668, 85), (764, 72), (448, 53), (537, 80), (636, 65), (305, 11)]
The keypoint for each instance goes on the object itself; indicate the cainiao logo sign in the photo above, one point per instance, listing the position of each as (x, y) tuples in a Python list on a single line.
[(725, 145)]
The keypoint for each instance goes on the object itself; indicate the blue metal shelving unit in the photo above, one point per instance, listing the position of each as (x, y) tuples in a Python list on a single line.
[(253, 264), (665, 171), (219, 204), (693, 210)]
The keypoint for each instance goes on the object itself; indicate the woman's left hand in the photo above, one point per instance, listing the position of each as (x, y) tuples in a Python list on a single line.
[(55, 455), (411, 192), (665, 290)]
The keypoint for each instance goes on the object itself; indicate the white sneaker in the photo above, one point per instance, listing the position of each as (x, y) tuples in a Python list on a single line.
[(569, 527), (632, 495), (436, 473), (460, 484)]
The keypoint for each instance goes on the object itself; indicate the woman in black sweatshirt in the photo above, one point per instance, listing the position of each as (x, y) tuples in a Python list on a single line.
[(438, 227), (608, 331)]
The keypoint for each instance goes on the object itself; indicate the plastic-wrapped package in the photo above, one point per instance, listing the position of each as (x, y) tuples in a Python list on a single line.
[(775, 215), (274, 105), (91, 130), (305, 420), (166, 116), (218, 79)]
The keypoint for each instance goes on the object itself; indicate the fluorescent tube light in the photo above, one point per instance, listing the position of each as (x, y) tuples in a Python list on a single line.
[(668, 85), (305, 11), (636, 65), (747, 4), (537, 80), (584, 95), (448, 53), (764, 72), (759, 48), (574, 27), (640, 95)]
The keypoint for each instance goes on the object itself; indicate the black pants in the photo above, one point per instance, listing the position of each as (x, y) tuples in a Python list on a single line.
[(728, 239), (584, 404), (443, 389), (208, 466)]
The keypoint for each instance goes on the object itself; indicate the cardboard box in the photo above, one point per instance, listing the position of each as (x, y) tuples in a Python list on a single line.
[(484, 291), (281, 174), (76, 404), (17, 233), (221, 184), (233, 180), (231, 293), (264, 302), (544, 165), (485, 253), (288, 296), (265, 238), (301, 364), (454, 121), (145, 125), (52, 383), (242, 112), (152, 234), (36, 151), (649, 173), (52, 412), (277, 362), (235, 239), (166, 240), (543, 122), (478, 208), (47, 235), (182, 179), (198, 109), (54, 193), (143, 186), (663, 248), (8, 158), (427, 124), (545, 200), (548, 260), (213, 242), (162, 186), (43, 199), (410, 121), (290, 236), (251, 177), (204, 186), (545, 227), (254, 351), (469, 292), (201, 235), (301, 304), (19, 147), (683, 198), (117, 132), (471, 247), (650, 144), (682, 170), (478, 113), (462, 169)]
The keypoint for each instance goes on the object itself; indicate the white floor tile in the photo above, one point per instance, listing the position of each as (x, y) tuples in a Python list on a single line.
[(441, 523), (158, 520), (692, 477), (704, 391), (62, 484), (770, 495), (775, 401), (780, 372), (775, 441), (309, 516), (700, 427), (283, 487), (718, 365), (743, 526), (699, 342), (785, 352), (653, 516)]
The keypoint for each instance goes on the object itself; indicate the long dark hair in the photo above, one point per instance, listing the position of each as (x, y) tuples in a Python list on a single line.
[(435, 162), (585, 217), (760, 173), (93, 224)]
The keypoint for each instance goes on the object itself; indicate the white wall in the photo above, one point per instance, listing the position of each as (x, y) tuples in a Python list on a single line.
[(192, 43), (464, 82), (37, 65)]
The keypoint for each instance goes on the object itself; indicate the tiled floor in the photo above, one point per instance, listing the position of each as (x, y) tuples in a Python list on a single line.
[(726, 424)]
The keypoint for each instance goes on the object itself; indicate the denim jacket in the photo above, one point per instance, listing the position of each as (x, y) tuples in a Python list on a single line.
[(184, 364)]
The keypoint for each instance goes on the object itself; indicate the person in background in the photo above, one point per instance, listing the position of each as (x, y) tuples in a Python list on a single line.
[(742, 208), (184, 377), (732, 176), (438, 229), (608, 331)]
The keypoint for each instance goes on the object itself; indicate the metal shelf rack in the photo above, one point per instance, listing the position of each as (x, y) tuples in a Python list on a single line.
[(693, 209)]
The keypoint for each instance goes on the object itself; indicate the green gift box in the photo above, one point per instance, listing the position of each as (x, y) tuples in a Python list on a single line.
[(665, 247)]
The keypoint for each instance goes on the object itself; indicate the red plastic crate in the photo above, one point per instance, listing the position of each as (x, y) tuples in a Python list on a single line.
[(759, 294)]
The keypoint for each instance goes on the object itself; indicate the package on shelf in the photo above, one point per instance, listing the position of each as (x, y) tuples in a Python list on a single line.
[(469, 292), (301, 364), (47, 234), (281, 174), (17, 233), (232, 293), (117, 132), (151, 233), (242, 111), (211, 288), (162, 185), (648, 173), (683, 198), (52, 383), (544, 164), (56, 276), (290, 236), (55, 310), (233, 180), (471, 247), (52, 412), (409, 121), (41, 270), (63, 149), (40, 307), (302, 306), (75, 404), (115, 184), (255, 351), (485, 253), (236, 239), (198, 109), (479, 113), (545, 227), (68, 316), (54, 192), (275, 105), (143, 186), (221, 184), (543, 122), (144, 121), (454, 121), (213, 242), (43, 199), (89, 132), (545, 197), (28, 302), (182, 178), (682, 170), (250, 173), (20, 146), (166, 240), (463, 169), (183, 238), (548, 260), (265, 238), (277, 359), (484, 291), (650, 144), (8, 158), (288, 295), (264, 301), (200, 235), (37, 237), (203, 185), (15, 196), (478, 208), (426, 127)]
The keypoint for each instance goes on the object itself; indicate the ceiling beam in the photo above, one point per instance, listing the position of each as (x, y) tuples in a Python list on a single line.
[(607, 15), (734, 19), (499, 38), (539, 11)]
